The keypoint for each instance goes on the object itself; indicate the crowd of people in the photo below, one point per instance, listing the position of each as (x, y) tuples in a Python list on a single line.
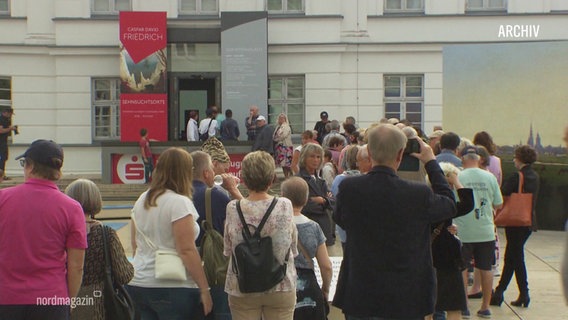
[(414, 215)]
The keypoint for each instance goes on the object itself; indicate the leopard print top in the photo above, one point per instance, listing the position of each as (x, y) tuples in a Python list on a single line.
[(94, 272)]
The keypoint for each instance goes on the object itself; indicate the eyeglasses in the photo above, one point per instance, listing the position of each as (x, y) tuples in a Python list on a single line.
[(22, 162)]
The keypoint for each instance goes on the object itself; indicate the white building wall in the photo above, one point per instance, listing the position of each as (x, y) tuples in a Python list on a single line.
[(53, 48)]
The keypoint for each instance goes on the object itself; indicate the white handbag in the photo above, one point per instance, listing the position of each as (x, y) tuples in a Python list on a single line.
[(168, 265)]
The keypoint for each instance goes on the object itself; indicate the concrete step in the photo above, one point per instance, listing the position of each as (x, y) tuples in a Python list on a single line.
[(109, 192)]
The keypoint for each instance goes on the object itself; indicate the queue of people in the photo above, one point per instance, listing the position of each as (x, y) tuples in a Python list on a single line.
[(402, 258)]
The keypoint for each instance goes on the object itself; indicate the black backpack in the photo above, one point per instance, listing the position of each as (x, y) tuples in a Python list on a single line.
[(253, 261)]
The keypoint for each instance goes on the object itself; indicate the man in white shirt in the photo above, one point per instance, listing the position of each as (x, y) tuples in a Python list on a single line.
[(208, 125), (192, 130)]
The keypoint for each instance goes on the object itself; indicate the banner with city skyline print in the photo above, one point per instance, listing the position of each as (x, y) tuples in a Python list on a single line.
[(517, 93), (143, 71)]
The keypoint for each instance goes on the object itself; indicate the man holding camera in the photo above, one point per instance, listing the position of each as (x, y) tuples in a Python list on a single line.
[(387, 267), (6, 129)]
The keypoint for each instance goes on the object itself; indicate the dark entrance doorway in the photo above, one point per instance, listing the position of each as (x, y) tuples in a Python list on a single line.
[(191, 93)]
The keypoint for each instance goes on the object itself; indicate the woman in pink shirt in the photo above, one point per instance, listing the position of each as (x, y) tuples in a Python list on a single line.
[(483, 138)]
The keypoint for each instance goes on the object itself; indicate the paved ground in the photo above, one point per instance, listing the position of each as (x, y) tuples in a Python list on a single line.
[(543, 256)]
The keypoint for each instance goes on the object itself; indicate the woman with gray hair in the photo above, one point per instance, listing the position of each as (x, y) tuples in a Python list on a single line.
[(88, 195), (320, 200)]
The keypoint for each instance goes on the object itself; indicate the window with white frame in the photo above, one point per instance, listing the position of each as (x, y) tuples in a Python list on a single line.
[(404, 6), (286, 95), (198, 6), (404, 97), (110, 6), (106, 108), (4, 7), (486, 5), (285, 6), (5, 92)]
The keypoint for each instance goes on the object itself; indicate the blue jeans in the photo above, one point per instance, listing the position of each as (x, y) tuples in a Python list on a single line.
[(148, 168), (348, 317), (166, 303), (439, 315), (221, 310)]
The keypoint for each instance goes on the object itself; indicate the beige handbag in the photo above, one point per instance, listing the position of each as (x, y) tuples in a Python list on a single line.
[(168, 265)]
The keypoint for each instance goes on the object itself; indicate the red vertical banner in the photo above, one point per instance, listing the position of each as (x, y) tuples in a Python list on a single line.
[(143, 71)]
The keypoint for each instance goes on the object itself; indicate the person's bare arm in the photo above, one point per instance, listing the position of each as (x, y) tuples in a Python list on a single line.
[(75, 261), (133, 237), (453, 180), (325, 268), (143, 155), (295, 160), (6, 130), (184, 237)]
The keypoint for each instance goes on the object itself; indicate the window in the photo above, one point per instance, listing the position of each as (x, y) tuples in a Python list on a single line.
[(404, 97), (111, 6), (199, 6), (486, 5), (106, 109), (5, 92), (404, 6), (284, 6), (286, 95), (4, 7)]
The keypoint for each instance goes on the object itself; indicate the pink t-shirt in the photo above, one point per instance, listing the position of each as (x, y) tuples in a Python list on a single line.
[(37, 224), (495, 168)]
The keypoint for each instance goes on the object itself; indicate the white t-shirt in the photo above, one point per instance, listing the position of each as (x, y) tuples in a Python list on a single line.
[(156, 224), (205, 123), (192, 131)]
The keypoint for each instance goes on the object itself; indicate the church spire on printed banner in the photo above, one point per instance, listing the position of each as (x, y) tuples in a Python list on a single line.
[(530, 140)]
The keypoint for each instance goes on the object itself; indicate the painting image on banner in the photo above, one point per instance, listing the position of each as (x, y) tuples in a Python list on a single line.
[(143, 69), (517, 93)]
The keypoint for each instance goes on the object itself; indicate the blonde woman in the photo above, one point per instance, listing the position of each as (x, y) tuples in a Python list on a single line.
[(278, 302), (320, 201), (166, 216), (283, 145), (307, 137), (88, 195)]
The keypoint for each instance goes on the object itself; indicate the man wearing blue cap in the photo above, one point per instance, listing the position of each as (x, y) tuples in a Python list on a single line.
[(477, 229)]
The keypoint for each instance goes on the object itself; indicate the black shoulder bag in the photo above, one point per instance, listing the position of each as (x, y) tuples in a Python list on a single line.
[(117, 301), (253, 262), (205, 135)]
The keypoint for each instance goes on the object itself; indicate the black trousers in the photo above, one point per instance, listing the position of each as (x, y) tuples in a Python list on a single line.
[(515, 259), (34, 312), (3, 156)]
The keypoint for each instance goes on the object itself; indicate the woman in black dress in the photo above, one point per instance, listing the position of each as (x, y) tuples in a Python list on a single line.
[(446, 251), (320, 200), (525, 156)]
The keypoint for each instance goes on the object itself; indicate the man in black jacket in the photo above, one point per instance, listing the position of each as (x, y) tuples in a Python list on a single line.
[(264, 133), (387, 269)]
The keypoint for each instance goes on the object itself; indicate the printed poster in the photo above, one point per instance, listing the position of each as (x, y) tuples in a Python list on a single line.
[(143, 71)]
